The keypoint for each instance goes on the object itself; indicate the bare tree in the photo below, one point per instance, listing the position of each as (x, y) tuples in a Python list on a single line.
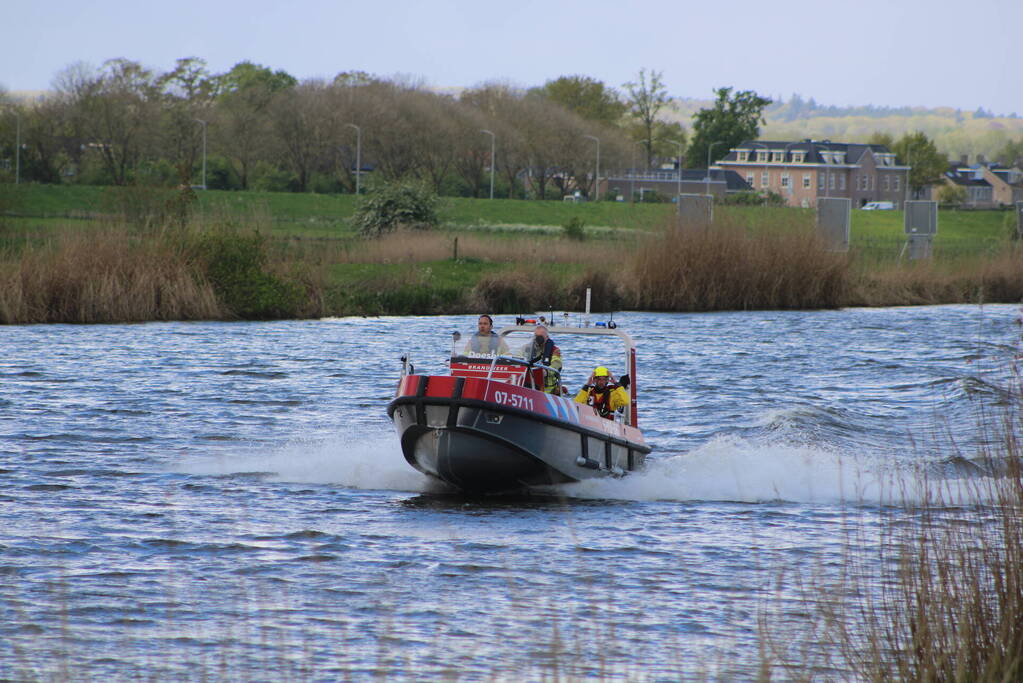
[(393, 142), (115, 112), (302, 126), (646, 99)]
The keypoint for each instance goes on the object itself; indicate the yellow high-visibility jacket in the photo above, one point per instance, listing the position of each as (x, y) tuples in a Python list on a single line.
[(606, 402)]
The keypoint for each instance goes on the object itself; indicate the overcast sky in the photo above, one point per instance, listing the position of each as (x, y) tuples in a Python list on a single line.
[(957, 53)]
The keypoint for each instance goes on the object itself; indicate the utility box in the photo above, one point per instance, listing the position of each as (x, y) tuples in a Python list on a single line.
[(921, 225), (695, 211), (921, 217), (833, 222)]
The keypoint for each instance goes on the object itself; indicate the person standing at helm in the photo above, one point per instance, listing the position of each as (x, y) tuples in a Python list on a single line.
[(542, 350), (485, 340), (603, 393)]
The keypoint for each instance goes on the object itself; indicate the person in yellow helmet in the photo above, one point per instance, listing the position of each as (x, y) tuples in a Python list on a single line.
[(603, 393)]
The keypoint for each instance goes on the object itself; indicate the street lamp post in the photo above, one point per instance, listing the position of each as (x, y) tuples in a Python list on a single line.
[(358, 156), (203, 152), (710, 148), (678, 192), (784, 157), (493, 147), (17, 147), (596, 178)]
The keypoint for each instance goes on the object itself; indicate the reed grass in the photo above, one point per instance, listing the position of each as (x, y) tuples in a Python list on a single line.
[(108, 276), (184, 266), (942, 600), (723, 267), (994, 279)]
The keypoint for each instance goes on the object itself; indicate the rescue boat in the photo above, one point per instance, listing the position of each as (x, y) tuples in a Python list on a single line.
[(486, 426)]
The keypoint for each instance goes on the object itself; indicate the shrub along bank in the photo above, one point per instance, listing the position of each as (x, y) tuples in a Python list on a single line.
[(118, 274), (159, 258)]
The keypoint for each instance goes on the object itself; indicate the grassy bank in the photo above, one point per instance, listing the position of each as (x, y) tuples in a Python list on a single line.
[(144, 255), (318, 214)]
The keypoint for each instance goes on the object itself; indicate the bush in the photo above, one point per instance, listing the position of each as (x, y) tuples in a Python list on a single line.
[(742, 199), (605, 294), (515, 291), (235, 265), (388, 206), (266, 178), (147, 207), (651, 197), (573, 229)]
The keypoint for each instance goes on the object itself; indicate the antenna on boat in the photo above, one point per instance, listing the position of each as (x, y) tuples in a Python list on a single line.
[(455, 336), (586, 318)]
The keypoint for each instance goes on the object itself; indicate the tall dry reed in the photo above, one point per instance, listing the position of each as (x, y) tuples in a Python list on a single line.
[(983, 279), (724, 267), (109, 275), (942, 598), (419, 246)]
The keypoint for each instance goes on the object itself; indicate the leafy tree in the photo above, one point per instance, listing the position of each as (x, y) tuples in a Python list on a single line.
[(186, 93), (952, 194), (645, 101), (585, 96), (242, 125), (918, 151), (1011, 154), (881, 138), (728, 123), (353, 79)]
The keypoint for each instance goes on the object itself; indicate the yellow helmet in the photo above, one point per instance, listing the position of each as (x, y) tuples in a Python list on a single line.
[(601, 371)]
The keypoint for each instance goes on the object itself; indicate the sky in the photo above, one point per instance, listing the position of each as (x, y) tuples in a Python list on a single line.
[(962, 54)]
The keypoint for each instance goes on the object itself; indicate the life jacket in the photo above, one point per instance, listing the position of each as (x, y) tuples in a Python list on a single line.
[(546, 354), (601, 400), (551, 381), (476, 343)]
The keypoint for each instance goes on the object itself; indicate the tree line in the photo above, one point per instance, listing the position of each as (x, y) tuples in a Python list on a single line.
[(253, 127)]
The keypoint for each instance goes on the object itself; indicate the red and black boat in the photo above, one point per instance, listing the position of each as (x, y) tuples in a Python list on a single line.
[(488, 427)]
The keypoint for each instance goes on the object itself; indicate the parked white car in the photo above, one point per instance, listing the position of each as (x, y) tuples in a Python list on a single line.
[(878, 206)]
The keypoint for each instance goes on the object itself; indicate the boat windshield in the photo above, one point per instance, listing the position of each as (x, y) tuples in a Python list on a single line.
[(479, 346)]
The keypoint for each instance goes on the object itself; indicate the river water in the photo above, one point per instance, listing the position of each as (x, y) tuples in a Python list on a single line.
[(187, 501)]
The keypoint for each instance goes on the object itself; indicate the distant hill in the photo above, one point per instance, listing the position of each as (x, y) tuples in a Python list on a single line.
[(954, 131)]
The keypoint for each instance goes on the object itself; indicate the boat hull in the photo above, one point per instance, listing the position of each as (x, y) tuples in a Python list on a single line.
[(453, 429)]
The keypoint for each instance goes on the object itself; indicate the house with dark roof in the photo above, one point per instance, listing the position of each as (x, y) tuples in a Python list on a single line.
[(667, 182), (978, 190), (804, 171), (1006, 184)]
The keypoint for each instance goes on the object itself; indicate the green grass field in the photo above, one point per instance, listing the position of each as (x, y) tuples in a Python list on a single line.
[(318, 214), (877, 236)]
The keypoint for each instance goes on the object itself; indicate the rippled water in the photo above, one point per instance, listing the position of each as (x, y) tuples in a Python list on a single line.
[(228, 501)]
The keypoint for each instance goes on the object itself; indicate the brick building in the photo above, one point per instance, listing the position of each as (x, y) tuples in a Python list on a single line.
[(803, 171)]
